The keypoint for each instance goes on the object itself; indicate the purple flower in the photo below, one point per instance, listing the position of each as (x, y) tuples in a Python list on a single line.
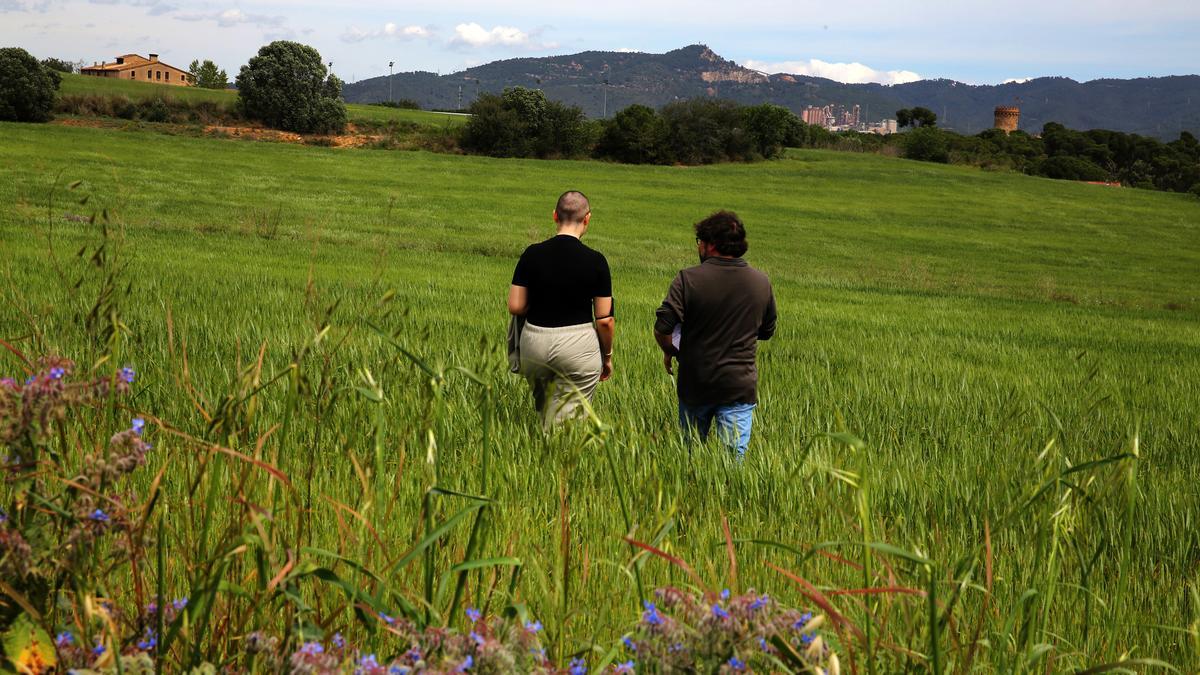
[(389, 620), (64, 639), (473, 614), (724, 594), (57, 373), (807, 638), (737, 664), (466, 664), (538, 652), (338, 640), (578, 667), (8, 382), (763, 644), (629, 643), (759, 602), (677, 647), (367, 664), (127, 374), (477, 638), (533, 626), (398, 670), (312, 648), (179, 604), (3, 517), (99, 516), (802, 621), (719, 613), (626, 667), (98, 649), (138, 425), (149, 641), (413, 655)]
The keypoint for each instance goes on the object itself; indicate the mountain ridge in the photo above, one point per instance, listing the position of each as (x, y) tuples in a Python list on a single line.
[(602, 82)]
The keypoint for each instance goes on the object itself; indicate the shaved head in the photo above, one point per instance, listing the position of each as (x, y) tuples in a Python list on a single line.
[(572, 207)]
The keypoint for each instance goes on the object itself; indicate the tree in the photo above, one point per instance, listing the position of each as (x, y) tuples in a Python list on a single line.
[(287, 87), (634, 136), (524, 123), (771, 128), (58, 65), (27, 88), (927, 144), (207, 76), (916, 117)]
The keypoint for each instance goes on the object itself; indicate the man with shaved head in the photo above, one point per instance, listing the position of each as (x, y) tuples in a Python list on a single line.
[(563, 290)]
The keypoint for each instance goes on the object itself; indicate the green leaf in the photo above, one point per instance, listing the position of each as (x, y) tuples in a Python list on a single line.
[(28, 648)]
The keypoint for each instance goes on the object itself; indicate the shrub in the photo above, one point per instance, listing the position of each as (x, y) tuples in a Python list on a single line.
[(27, 88), (926, 144), (1071, 168), (287, 87), (634, 135), (404, 103), (524, 123), (771, 128), (703, 131), (59, 65)]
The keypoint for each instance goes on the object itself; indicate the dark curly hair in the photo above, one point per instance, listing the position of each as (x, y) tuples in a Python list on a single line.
[(725, 231)]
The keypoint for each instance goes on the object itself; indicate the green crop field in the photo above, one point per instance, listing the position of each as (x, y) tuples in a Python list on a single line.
[(955, 350), (73, 84)]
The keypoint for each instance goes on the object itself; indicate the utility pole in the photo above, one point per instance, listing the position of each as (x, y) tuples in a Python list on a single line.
[(390, 64), (460, 97)]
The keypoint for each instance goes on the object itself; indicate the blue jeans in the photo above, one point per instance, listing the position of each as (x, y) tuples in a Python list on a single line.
[(734, 421)]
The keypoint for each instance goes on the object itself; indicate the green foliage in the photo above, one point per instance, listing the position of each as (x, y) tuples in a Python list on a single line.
[(916, 117), (27, 88), (207, 75), (1065, 167), (286, 86), (523, 123), (927, 144), (403, 104), (772, 128), (635, 135), (706, 131), (58, 65)]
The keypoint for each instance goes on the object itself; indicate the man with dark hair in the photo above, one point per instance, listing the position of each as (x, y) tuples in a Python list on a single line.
[(711, 321), (563, 289)]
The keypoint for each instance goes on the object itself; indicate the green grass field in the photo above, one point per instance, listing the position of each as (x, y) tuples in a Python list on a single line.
[(982, 333), (73, 84)]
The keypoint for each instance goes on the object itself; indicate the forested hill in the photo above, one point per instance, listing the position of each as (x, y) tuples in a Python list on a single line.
[(602, 82)]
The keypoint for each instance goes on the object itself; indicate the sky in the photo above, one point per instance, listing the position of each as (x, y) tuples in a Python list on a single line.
[(864, 41)]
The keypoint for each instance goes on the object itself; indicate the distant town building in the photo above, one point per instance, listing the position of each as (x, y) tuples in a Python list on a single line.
[(1008, 118), (135, 67)]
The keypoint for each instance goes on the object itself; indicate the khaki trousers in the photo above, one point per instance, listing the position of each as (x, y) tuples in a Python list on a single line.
[(562, 366)]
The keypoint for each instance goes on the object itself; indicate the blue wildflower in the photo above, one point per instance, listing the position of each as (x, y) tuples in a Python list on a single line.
[(99, 516), (724, 594), (57, 373), (312, 648), (368, 661), (30, 379), (538, 652), (413, 655), (64, 639), (626, 667), (651, 615), (98, 650), (477, 638), (179, 604), (763, 644), (149, 641), (127, 374), (807, 638), (138, 425), (802, 621), (719, 612), (466, 664), (629, 643), (578, 667), (3, 517), (389, 620), (473, 614), (338, 640), (737, 664), (399, 670), (759, 603), (533, 626)]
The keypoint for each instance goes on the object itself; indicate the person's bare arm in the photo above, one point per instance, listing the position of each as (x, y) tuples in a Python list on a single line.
[(668, 349), (518, 300), (606, 327)]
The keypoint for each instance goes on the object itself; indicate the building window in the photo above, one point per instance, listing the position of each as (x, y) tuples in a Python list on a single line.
[(168, 76), (133, 74), (158, 74)]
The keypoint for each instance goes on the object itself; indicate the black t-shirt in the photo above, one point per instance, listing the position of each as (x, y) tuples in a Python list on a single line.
[(562, 276)]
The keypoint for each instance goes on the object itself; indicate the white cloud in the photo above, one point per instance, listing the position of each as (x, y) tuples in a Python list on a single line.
[(234, 17), (474, 35), (389, 30), (1017, 80), (629, 50), (853, 73)]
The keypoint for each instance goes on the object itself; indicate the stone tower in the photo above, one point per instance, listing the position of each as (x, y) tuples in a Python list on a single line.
[(1008, 118)]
